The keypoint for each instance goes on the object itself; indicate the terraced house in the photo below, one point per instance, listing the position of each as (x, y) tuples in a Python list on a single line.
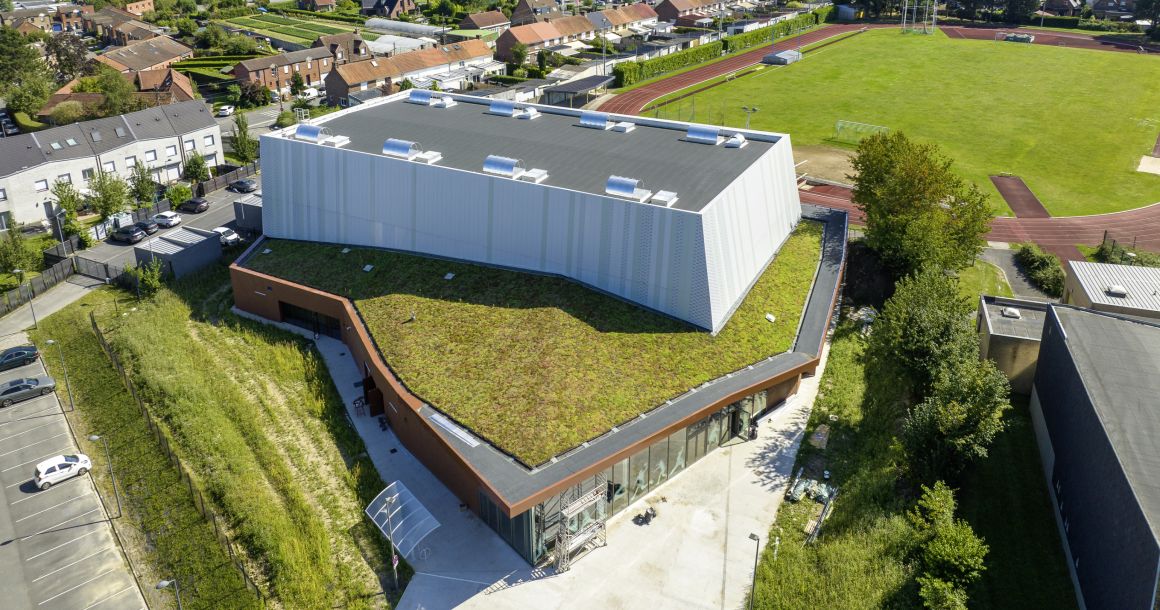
[(552, 317), (453, 67), (276, 72)]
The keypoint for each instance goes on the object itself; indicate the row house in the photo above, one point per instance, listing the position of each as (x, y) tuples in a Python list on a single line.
[(672, 10), (140, 7), (63, 19), (152, 54), (545, 35), (491, 21), (161, 138), (276, 72), (535, 11), (345, 47), (627, 20), (117, 27), (391, 9), (450, 66)]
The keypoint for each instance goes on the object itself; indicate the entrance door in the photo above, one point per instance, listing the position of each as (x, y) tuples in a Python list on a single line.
[(738, 421)]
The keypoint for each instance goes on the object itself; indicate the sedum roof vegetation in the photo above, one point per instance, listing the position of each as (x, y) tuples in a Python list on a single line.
[(537, 364)]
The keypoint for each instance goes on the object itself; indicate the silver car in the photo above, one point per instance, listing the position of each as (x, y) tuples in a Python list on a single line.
[(17, 390)]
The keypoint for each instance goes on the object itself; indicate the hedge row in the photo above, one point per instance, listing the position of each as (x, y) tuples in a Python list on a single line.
[(761, 36), (355, 19), (631, 72), (506, 80), (1078, 23), (27, 123), (1043, 269)]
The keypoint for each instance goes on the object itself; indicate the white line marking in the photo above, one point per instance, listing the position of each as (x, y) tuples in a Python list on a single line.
[(478, 582), (107, 598), (77, 586), (61, 523), (42, 553), (34, 461), (38, 494), (25, 432), (34, 414), (33, 444), (67, 566), (49, 508)]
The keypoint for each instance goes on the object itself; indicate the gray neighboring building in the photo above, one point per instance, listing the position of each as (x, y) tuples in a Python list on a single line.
[(1095, 410), (248, 213), (1126, 289), (183, 250), (1009, 333)]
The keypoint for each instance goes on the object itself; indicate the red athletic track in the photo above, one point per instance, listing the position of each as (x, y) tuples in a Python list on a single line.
[(634, 101), (1047, 37)]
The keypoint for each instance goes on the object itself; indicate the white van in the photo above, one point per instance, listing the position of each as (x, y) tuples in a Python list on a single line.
[(309, 94)]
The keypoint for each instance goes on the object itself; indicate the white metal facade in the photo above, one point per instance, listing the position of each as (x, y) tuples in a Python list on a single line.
[(693, 266)]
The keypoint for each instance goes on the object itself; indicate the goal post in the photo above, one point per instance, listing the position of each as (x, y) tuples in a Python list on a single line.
[(852, 132)]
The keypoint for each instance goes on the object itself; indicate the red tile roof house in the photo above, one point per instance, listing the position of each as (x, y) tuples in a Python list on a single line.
[(622, 21), (391, 9), (345, 48), (390, 72), (153, 54), (154, 88), (536, 36), (493, 21), (670, 10), (318, 6), (535, 11)]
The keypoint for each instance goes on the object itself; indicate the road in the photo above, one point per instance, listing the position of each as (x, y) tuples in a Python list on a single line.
[(220, 213), (57, 549)]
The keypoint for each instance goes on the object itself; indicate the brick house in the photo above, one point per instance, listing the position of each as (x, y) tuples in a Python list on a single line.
[(536, 36), (140, 7), (452, 66), (318, 6), (671, 10), (345, 48), (276, 71), (535, 11), (492, 21), (391, 9), (153, 54)]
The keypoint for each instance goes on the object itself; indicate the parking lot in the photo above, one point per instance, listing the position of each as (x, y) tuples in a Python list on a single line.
[(57, 548), (219, 214)]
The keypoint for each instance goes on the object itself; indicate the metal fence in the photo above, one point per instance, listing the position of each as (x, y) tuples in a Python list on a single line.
[(222, 181), (206, 510), (36, 286), (62, 251)]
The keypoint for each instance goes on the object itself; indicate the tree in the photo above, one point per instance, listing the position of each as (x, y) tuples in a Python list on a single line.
[(110, 193), (178, 193), (186, 27), (212, 37), (244, 145), (940, 595), (406, 84), (68, 56), (253, 94), (348, 6), (148, 276), (1147, 9), (542, 60), (297, 85), (519, 53), (141, 185), (1019, 11), (950, 554), (6, 6), (918, 213), (195, 168), (16, 58), (34, 88), (15, 253), (923, 326), (956, 424), (285, 119), (118, 91), (67, 112), (236, 44)]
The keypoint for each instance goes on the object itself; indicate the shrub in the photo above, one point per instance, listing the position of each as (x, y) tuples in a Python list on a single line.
[(631, 72), (1113, 252), (178, 194), (761, 36), (285, 119), (1043, 269), (27, 123)]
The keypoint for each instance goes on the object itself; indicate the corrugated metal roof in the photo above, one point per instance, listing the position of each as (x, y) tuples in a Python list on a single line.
[(1142, 283), (185, 236)]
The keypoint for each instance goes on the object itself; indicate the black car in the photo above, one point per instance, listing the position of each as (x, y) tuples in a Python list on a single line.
[(129, 233), (243, 186), (196, 205), (18, 356), (148, 226)]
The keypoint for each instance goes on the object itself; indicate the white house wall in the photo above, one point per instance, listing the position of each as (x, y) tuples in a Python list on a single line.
[(746, 224), (645, 253)]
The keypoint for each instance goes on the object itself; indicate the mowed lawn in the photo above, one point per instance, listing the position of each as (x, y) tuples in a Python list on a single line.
[(1070, 122), (537, 364)]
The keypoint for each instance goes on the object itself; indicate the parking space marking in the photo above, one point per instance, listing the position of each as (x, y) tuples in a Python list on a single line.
[(65, 433), (34, 414), (60, 524), (27, 431), (107, 598), (78, 586), (67, 566), (51, 507), (34, 461), (63, 544), (31, 496)]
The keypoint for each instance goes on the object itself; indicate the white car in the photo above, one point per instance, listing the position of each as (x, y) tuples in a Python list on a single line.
[(167, 219), (227, 236), (61, 468), (308, 94), (226, 110)]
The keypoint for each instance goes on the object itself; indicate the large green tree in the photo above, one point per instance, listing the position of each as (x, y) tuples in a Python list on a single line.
[(918, 212), (68, 56), (110, 193), (1019, 11), (244, 145), (119, 93), (196, 169), (32, 90), (951, 556), (141, 186), (16, 56), (69, 199)]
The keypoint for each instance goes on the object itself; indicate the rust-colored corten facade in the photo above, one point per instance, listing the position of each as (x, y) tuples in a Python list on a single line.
[(264, 295)]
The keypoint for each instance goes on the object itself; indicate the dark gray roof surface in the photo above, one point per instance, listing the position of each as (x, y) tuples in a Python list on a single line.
[(582, 85), (55, 143), (19, 152), (516, 482), (1118, 359), (575, 158), (1028, 326)]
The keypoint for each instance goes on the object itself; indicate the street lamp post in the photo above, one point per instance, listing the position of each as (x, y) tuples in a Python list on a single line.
[(164, 584), (109, 461), (748, 111), (20, 273), (756, 554), (72, 405)]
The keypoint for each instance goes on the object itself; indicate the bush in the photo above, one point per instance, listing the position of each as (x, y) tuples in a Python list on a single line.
[(178, 194), (505, 80), (1112, 252), (1043, 269), (27, 123), (285, 119), (631, 72), (761, 36)]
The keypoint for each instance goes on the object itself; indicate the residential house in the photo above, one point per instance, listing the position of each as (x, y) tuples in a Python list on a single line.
[(318, 6), (672, 10), (277, 71), (1113, 9), (391, 9), (117, 27), (140, 7), (627, 20), (546, 35), (493, 21), (452, 67), (535, 11), (153, 88), (53, 21), (162, 138), (345, 48), (153, 54), (1064, 8)]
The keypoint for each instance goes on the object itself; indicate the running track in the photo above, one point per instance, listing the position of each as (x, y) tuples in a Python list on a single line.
[(1058, 234)]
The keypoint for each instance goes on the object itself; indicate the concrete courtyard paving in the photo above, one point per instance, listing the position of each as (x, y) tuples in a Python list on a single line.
[(695, 554)]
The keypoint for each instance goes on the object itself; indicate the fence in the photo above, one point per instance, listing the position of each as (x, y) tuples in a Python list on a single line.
[(205, 510), (62, 251), (224, 180), (25, 292)]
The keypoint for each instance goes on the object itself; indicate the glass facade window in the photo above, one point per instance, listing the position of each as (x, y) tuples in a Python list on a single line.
[(619, 498), (714, 436), (696, 442), (677, 452), (658, 463), (638, 476)]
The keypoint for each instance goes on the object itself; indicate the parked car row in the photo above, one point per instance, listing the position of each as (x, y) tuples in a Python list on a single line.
[(7, 126)]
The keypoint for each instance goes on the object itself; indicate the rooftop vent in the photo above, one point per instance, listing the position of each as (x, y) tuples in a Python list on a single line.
[(503, 166), (736, 141), (665, 198), (527, 114), (621, 186), (502, 108), (308, 133), (1118, 291), (703, 134), (534, 175), (595, 120), (1011, 312), (336, 141), (623, 127), (445, 101), (423, 97)]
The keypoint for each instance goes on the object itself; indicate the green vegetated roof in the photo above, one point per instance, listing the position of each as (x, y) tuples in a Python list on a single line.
[(538, 364)]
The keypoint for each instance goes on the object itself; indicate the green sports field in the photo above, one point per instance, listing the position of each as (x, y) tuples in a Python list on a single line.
[(1072, 123)]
